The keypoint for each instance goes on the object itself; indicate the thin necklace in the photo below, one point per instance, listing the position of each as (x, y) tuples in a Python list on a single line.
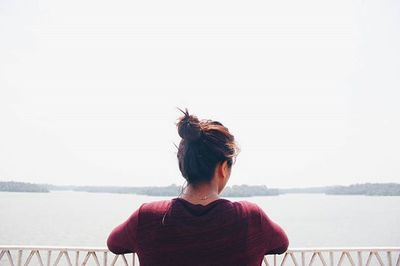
[(201, 198)]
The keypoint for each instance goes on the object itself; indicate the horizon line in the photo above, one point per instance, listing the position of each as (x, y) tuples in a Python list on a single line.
[(317, 186)]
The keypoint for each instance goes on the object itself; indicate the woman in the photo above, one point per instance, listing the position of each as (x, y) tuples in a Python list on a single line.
[(198, 227)]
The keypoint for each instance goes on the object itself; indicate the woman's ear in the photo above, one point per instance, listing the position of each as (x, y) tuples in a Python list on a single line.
[(221, 170), (225, 169), (223, 174)]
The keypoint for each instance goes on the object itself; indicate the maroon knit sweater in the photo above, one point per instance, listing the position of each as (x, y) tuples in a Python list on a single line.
[(177, 232)]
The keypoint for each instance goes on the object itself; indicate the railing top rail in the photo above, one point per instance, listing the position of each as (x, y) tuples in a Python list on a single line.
[(66, 248), (104, 249), (337, 249)]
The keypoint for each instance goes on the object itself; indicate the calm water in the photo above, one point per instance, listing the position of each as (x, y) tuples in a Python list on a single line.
[(85, 219)]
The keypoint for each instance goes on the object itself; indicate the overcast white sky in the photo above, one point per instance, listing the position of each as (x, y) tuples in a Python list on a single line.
[(89, 89)]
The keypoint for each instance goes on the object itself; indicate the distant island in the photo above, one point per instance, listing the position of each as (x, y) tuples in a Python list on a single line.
[(12, 186), (369, 189), (172, 190)]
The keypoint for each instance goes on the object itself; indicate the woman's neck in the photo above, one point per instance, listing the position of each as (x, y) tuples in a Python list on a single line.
[(200, 194)]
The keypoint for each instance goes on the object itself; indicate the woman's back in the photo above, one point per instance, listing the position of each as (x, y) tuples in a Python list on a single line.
[(217, 232), (177, 232)]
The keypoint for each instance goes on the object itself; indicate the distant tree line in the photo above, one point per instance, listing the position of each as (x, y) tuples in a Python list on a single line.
[(248, 191), (303, 190), (370, 189), (172, 190), (12, 186)]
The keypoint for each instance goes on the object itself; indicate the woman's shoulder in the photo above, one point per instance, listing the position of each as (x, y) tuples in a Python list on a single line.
[(248, 205), (247, 208), (155, 206), (244, 207)]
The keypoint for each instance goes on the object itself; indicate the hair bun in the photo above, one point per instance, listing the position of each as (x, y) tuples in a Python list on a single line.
[(189, 127)]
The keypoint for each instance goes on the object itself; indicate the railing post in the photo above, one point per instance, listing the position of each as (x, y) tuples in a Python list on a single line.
[(389, 258), (359, 258), (48, 257), (331, 258), (77, 258), (19, 260)]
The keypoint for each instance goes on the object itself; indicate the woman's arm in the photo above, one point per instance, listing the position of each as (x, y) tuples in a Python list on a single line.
[(122, 238), (278, 241)]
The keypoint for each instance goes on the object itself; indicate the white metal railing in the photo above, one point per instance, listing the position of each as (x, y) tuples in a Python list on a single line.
[(365, 256), (60, 256)]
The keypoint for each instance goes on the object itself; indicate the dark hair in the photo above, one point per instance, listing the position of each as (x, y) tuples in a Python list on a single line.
[(204, 144)]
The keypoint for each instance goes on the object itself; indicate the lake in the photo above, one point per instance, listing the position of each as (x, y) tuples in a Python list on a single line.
[(67, 218)]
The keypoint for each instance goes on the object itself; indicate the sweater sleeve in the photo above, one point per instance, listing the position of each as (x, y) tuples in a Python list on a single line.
[(277, 240), (123, 238)]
